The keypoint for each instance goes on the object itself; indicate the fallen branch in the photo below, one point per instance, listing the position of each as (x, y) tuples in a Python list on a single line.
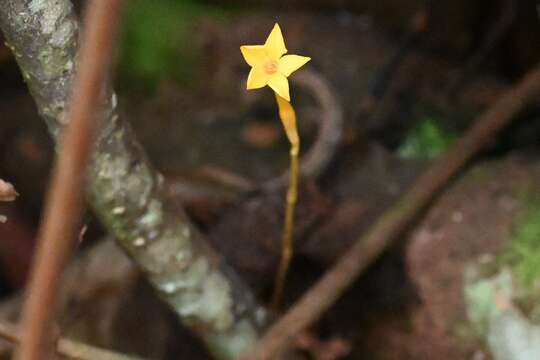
[(127, 194), (67, 348), (368, 247)]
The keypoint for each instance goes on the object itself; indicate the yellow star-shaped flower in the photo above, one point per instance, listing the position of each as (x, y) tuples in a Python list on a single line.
[(269, 66)]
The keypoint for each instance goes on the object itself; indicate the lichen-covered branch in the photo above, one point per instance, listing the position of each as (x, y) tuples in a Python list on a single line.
[(125, 191)]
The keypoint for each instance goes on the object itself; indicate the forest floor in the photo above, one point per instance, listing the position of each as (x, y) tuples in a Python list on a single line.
[(214, 142)]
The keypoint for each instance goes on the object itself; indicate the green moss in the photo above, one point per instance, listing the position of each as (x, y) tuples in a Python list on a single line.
[(426, 141), (159, 42), (523, 253), (480, 294)]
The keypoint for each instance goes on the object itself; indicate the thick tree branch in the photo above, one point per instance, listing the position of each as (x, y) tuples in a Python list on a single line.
[(125, 191), (369, 246)]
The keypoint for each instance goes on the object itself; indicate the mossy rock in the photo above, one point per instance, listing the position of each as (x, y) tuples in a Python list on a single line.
[(479, 219)]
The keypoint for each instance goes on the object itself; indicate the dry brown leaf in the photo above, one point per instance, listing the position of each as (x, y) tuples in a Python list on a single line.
[(261, 135), (7, 191)]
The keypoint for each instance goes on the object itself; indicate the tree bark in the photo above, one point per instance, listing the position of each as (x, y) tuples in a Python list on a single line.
[(126, 193)]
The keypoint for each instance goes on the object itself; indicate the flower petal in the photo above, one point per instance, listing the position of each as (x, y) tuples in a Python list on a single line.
[(254, 54), (279, 83), (275, 44), (257, 78), (290, 63)]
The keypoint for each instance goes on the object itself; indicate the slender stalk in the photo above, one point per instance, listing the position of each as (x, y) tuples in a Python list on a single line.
[(287, 248), (64, 204), (288, 118)]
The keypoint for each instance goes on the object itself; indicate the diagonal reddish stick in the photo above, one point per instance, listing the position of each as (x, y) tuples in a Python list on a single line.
[(64, 203)]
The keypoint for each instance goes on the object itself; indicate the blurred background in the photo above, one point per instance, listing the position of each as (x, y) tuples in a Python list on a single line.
[(409, 78)]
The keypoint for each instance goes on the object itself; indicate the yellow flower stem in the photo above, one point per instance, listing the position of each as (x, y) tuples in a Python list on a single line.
[(288, 118)]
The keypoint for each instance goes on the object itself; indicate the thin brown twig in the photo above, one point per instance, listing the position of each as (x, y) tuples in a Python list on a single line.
[(64, 205), (369, 246), (65, 347)]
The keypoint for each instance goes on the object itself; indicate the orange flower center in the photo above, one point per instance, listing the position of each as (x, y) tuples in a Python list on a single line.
[(270, 66)]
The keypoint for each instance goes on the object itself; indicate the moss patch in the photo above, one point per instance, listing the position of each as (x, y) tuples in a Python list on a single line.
[(426, 141), (523, 253), (522, 256), (159, 42)]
